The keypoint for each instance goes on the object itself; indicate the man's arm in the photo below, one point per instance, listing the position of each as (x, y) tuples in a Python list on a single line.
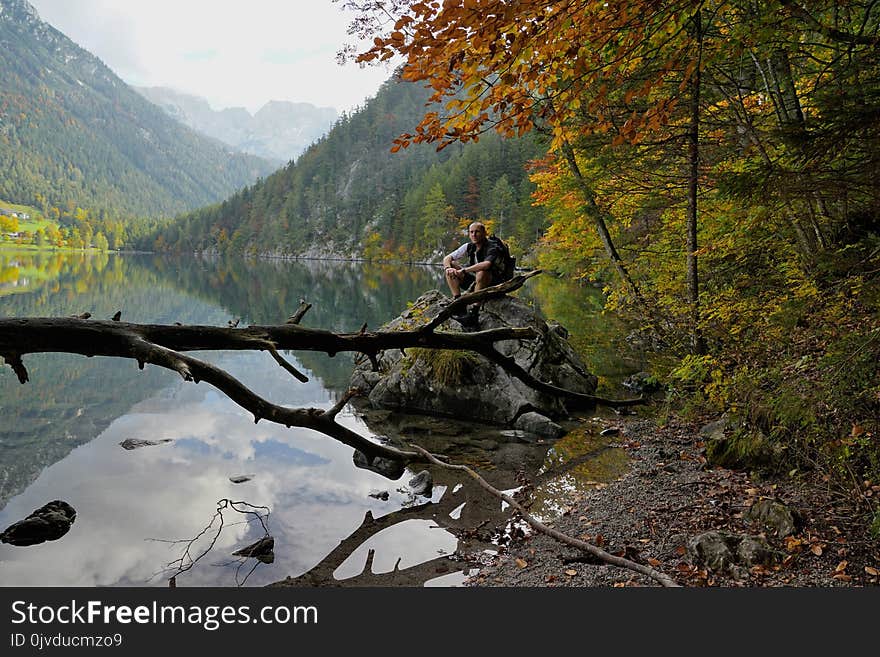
[(478, 266), (458, 254)]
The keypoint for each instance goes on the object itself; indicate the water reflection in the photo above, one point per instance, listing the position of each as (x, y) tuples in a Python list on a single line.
[(61, 433)]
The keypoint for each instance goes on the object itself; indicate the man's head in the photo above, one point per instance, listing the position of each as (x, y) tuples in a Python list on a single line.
[(477, 233)]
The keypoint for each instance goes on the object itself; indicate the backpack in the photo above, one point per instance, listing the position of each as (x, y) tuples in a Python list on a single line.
[(503, 268)]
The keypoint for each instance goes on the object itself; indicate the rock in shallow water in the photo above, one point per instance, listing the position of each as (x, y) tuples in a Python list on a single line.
[(264, 550), (48, 523), (422, 484), (137, 443)]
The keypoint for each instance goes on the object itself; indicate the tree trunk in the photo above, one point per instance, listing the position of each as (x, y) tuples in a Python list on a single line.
[(698, 345), (592, 211)]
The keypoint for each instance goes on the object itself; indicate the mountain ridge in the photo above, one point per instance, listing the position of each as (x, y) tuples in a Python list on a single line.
[(74, 133), (279, 131)]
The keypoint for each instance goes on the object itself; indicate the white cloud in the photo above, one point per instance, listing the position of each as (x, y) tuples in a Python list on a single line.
[(235, 54)]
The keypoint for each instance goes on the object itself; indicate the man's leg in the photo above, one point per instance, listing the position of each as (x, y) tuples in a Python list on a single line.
[(484, 279), (454, 285)]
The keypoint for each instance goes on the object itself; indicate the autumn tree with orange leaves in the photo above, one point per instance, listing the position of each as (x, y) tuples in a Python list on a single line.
[(745, 134)]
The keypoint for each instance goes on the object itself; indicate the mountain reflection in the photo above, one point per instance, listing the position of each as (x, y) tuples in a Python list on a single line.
[(61, 433)]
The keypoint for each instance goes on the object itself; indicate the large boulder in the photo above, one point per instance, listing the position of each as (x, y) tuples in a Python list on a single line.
[(463, 384)]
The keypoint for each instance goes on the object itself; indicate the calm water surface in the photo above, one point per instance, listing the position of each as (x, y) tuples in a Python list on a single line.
[(60, 434)]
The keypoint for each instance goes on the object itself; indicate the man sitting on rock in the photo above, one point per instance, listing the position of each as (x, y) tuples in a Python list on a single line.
[(484, 261)]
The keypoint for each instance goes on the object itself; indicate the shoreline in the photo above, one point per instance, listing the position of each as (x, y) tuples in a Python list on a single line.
[(669, 495)]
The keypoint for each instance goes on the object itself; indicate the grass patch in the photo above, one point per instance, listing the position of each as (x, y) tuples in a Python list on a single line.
[(448, 367)]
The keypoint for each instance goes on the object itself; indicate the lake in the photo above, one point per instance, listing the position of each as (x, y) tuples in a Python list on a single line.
[(144, 513)]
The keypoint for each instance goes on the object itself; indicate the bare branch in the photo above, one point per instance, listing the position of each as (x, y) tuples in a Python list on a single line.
[(509, 365), (476, 297), (331, 413), (299, 376), (165, 346), (298, 315), (187, 561), (15, 362)]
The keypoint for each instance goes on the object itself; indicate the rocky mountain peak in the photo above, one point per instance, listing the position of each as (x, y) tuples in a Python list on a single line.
[(19, 10)]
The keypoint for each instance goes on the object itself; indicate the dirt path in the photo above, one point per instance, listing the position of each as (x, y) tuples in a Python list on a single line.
[(670, 495)]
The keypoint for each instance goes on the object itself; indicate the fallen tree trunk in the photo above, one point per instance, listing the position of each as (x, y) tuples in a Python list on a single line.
[(166, 346)]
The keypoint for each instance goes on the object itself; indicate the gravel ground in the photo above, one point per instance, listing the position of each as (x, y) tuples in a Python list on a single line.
[(670, 495)]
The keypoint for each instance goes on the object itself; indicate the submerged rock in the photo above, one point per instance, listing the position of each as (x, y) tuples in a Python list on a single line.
[(48, 523), (422, 484), (467, 386), (390, 468), (539, 425), (137, 443), (262, 550)]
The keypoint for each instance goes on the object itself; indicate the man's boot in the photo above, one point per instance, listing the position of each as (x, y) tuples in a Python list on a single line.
[(469, 319)]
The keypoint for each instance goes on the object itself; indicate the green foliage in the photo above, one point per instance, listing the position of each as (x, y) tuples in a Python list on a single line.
[(809, 393), (874, 528), (701, 376)]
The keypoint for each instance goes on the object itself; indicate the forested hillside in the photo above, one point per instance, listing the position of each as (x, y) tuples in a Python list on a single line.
[(350, 195), (72, 134)]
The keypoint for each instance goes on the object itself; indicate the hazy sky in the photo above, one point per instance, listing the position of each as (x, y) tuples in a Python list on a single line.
[(234, 53)]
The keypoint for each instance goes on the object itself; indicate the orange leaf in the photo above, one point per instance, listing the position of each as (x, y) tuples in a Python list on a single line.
[(817, 550), (841, 566), (521, 563), (872, 571), (654, 562), (571, 572)]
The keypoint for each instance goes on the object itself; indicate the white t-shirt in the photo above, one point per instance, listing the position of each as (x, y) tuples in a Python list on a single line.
[(460, 253)]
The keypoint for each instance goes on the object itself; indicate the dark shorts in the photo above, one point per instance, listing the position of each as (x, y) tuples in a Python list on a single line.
[(468, 281)]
